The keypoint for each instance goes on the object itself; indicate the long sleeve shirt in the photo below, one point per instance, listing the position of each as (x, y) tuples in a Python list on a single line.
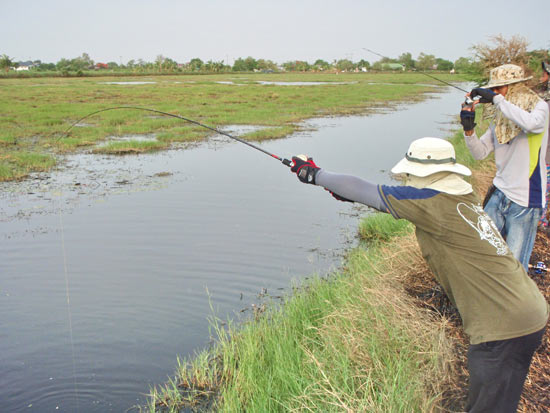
[(521, 174)]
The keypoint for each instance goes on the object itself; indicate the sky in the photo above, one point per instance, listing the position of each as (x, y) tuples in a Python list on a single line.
[(277, 30)]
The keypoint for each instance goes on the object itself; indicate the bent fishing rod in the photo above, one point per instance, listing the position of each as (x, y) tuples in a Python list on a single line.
[(424, 73), (467, 102), (194, 122)]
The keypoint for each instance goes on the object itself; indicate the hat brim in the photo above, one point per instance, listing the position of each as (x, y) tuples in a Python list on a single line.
[(404, 166), (504, 83)]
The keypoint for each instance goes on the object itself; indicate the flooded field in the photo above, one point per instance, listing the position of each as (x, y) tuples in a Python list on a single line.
[(112, 266)]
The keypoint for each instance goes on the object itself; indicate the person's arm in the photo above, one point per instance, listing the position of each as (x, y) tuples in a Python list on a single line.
[(351, 187), (531, 122), (480, 148), (342, 187)]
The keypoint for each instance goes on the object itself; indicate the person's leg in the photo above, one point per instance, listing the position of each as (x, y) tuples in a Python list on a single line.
[(521, 230), (497, 373), (494, 208)]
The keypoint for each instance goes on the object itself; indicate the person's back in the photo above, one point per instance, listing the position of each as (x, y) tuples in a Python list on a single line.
[(492, 292)]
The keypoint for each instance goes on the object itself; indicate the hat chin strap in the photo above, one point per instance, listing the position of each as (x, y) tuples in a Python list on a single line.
[(447, 182)]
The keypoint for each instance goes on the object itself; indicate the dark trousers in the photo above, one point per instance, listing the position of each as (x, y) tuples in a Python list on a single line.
[(497, 372)]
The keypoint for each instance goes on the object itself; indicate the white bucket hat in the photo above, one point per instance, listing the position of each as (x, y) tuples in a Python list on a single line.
[(428, 156), (506, 75)]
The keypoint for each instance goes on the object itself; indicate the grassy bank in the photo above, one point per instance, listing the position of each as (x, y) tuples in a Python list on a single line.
[(35, 113), (352, 342)]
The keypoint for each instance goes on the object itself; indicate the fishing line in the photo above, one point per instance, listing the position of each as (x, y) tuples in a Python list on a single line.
[(68, 296), (284, 161)]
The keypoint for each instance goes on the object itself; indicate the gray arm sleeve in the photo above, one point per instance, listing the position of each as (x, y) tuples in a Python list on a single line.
[(351, 187)]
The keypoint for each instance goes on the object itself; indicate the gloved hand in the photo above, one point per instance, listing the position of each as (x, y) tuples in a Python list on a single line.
[(467, 118), (304, 168), (487, 95)]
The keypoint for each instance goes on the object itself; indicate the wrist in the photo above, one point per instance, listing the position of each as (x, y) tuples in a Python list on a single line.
[(498, 99), (307, 174)]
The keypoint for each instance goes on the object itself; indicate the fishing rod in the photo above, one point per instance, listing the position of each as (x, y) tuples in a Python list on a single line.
[(283, 160), (468, 101)]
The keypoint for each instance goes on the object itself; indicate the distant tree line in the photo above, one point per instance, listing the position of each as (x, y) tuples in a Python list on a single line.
[(485, 56)]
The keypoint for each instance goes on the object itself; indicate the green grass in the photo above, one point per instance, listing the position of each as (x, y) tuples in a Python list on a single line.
[(352, 342), (18, 165), (270, 133), (35, 113), (382, 227), (129, 147)]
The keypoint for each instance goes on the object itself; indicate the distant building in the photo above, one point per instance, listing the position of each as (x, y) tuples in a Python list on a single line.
[(24, 65), (393, 66), (101, 66)]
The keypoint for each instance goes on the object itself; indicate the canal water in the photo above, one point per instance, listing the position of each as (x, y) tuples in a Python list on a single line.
[(111, 267)]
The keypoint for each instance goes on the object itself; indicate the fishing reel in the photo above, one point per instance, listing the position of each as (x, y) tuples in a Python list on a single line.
[(469, 102)]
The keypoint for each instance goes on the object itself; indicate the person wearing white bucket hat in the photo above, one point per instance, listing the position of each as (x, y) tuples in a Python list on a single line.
[(518, 136), (502, 310)]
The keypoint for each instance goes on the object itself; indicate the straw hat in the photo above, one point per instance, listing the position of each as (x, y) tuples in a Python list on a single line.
[(428, 156), (506, 75)]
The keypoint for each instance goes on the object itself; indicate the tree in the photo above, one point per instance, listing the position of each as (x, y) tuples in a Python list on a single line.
[(296, 66), (239, 65), (63, 65), (195, 64), (425, 61), (535, 57), (45, 67), (321, 64), (363, 64), (5, 62), (463, 64), (345, 65), (502, 51), (443, 64), (245, 65), (86, 60), (266, 65), (302, 66), (212, 66), (407, 60)]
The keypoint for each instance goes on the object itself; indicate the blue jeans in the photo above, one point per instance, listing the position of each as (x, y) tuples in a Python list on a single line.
[(517, 224)]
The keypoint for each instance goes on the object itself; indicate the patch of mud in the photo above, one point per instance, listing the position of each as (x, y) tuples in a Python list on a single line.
[(81, 179), (239, 130)]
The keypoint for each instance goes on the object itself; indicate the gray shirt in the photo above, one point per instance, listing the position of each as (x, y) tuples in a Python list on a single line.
[(521, 175)]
